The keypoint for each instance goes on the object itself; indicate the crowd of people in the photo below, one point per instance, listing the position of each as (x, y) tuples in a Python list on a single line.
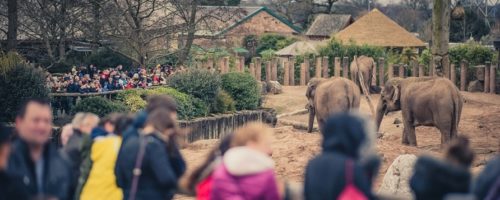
[(90, 79), (137, 157)]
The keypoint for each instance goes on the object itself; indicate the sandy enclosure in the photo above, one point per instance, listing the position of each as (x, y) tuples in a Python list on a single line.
[(480, 121)]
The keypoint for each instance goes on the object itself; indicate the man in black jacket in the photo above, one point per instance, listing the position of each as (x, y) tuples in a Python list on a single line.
[(11, 186), (37, 162)]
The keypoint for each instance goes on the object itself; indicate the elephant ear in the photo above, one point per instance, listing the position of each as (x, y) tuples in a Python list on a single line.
[(395, 93)]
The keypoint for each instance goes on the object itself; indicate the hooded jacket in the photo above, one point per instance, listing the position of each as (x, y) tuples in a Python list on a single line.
[(56, 176), (434, 179), (245, 174), (343, 138)]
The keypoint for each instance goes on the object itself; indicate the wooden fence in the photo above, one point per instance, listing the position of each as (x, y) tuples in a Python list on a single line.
[(286, 70)]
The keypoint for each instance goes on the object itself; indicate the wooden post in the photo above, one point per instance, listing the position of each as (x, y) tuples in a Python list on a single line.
[(258, 69), (345, 67), (431, 70), (487, 66), (453, 74), (274, 70), (221, 65), (337, 67), (390, 71), (286, 74), (318, 67), (381, 74), (421, 70), (463, 75), (493, 79), (291, 66), (210, 63), (402, 70), (325, 67), (414, 71), (308, 69), (303, 73), (226, 64), (268, 71), (242, 64), (252, 69)]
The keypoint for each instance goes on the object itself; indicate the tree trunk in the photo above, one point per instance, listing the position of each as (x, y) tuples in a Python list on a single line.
[(12, 25), (96, 10), (440, 36), (190, 34)]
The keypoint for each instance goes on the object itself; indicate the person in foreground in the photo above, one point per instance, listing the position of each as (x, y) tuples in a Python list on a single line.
[(247, 170), (11, 187), (145, 168), (347, 164), (44, 172), (435, 179)]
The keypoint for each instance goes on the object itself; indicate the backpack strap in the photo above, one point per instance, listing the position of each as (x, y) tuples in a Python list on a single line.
[(136, 173), (348, 171)]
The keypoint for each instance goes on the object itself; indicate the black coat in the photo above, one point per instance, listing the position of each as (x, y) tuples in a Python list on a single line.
[(12, 187), (159, 175), (325, 178), (487, 178), (434, 179), (57, 175)]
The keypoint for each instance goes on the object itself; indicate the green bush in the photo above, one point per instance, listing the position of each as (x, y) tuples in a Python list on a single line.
[(273, 42), (243, 88), (473, 52), (338, 49), (224, 103), (200, 83), (99, 106), (187, 106), (18, 84)]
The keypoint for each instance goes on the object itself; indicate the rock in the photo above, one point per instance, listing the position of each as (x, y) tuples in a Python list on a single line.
[(397, 121), (274, 87), (475, 86), (397, 179), (263, 87)]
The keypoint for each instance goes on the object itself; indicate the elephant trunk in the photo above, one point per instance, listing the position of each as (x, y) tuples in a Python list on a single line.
[(380, 113), (312, 113)]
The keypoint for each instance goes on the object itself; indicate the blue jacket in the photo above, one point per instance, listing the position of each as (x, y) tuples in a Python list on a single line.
[(57, 172)]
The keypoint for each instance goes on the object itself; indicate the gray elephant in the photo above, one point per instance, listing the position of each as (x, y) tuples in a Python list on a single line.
[(364, 66), (423, 101), (328, 96)]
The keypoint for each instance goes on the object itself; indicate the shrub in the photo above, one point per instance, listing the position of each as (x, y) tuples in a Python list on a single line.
[(200, 83), (243, 88), (99, 106), (187, 106), (224, 103), (337, 49), (273, 42), (473, 52), (17, 84)]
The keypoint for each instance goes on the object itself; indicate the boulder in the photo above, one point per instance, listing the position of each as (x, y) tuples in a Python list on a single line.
[(396, 181), (274, 87), (263, 87), (475, 86)]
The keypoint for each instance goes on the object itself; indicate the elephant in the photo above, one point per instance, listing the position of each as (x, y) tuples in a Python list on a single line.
[(423, 101), (365, 66), (328, 96)]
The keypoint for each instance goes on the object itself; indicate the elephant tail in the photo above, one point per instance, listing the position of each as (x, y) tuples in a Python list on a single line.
[(457, 111)]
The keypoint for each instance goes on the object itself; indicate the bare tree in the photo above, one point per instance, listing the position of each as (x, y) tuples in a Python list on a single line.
[(12, 25)]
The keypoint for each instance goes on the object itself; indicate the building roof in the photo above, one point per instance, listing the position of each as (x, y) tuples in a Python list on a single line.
[(222, 19), (377, 29), (300, 48), (327, 25)]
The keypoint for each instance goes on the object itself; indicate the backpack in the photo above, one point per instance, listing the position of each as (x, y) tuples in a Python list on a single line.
[(350, 191)]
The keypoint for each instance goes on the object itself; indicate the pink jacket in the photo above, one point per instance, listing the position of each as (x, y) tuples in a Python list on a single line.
[(245, 174)]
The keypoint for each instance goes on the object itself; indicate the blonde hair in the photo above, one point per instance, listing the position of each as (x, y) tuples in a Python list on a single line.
[(77, 120), (250, 132)]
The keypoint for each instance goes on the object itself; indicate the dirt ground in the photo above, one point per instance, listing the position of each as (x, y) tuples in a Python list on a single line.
[(480, 121)]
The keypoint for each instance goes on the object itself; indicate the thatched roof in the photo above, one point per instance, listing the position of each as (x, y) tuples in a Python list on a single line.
[(325, 25), (300, 48), (376, 29)]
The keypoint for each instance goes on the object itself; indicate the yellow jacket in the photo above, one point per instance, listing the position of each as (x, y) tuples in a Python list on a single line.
[(101, 183)]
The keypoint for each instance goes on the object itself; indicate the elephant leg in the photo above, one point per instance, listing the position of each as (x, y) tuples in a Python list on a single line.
[(320, 124), (446, 132), (409, 137)]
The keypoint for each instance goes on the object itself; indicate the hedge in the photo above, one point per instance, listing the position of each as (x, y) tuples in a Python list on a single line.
[(243, 88), (99, 106)]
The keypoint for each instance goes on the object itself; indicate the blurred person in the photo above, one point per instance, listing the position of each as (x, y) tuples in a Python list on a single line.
[(66, 133), (200, 181), (487, 184), (435, 179), (347, 165), (247, 170), (34, 158), (145, 168), (101, 181), (11, 187), (83, 123)]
